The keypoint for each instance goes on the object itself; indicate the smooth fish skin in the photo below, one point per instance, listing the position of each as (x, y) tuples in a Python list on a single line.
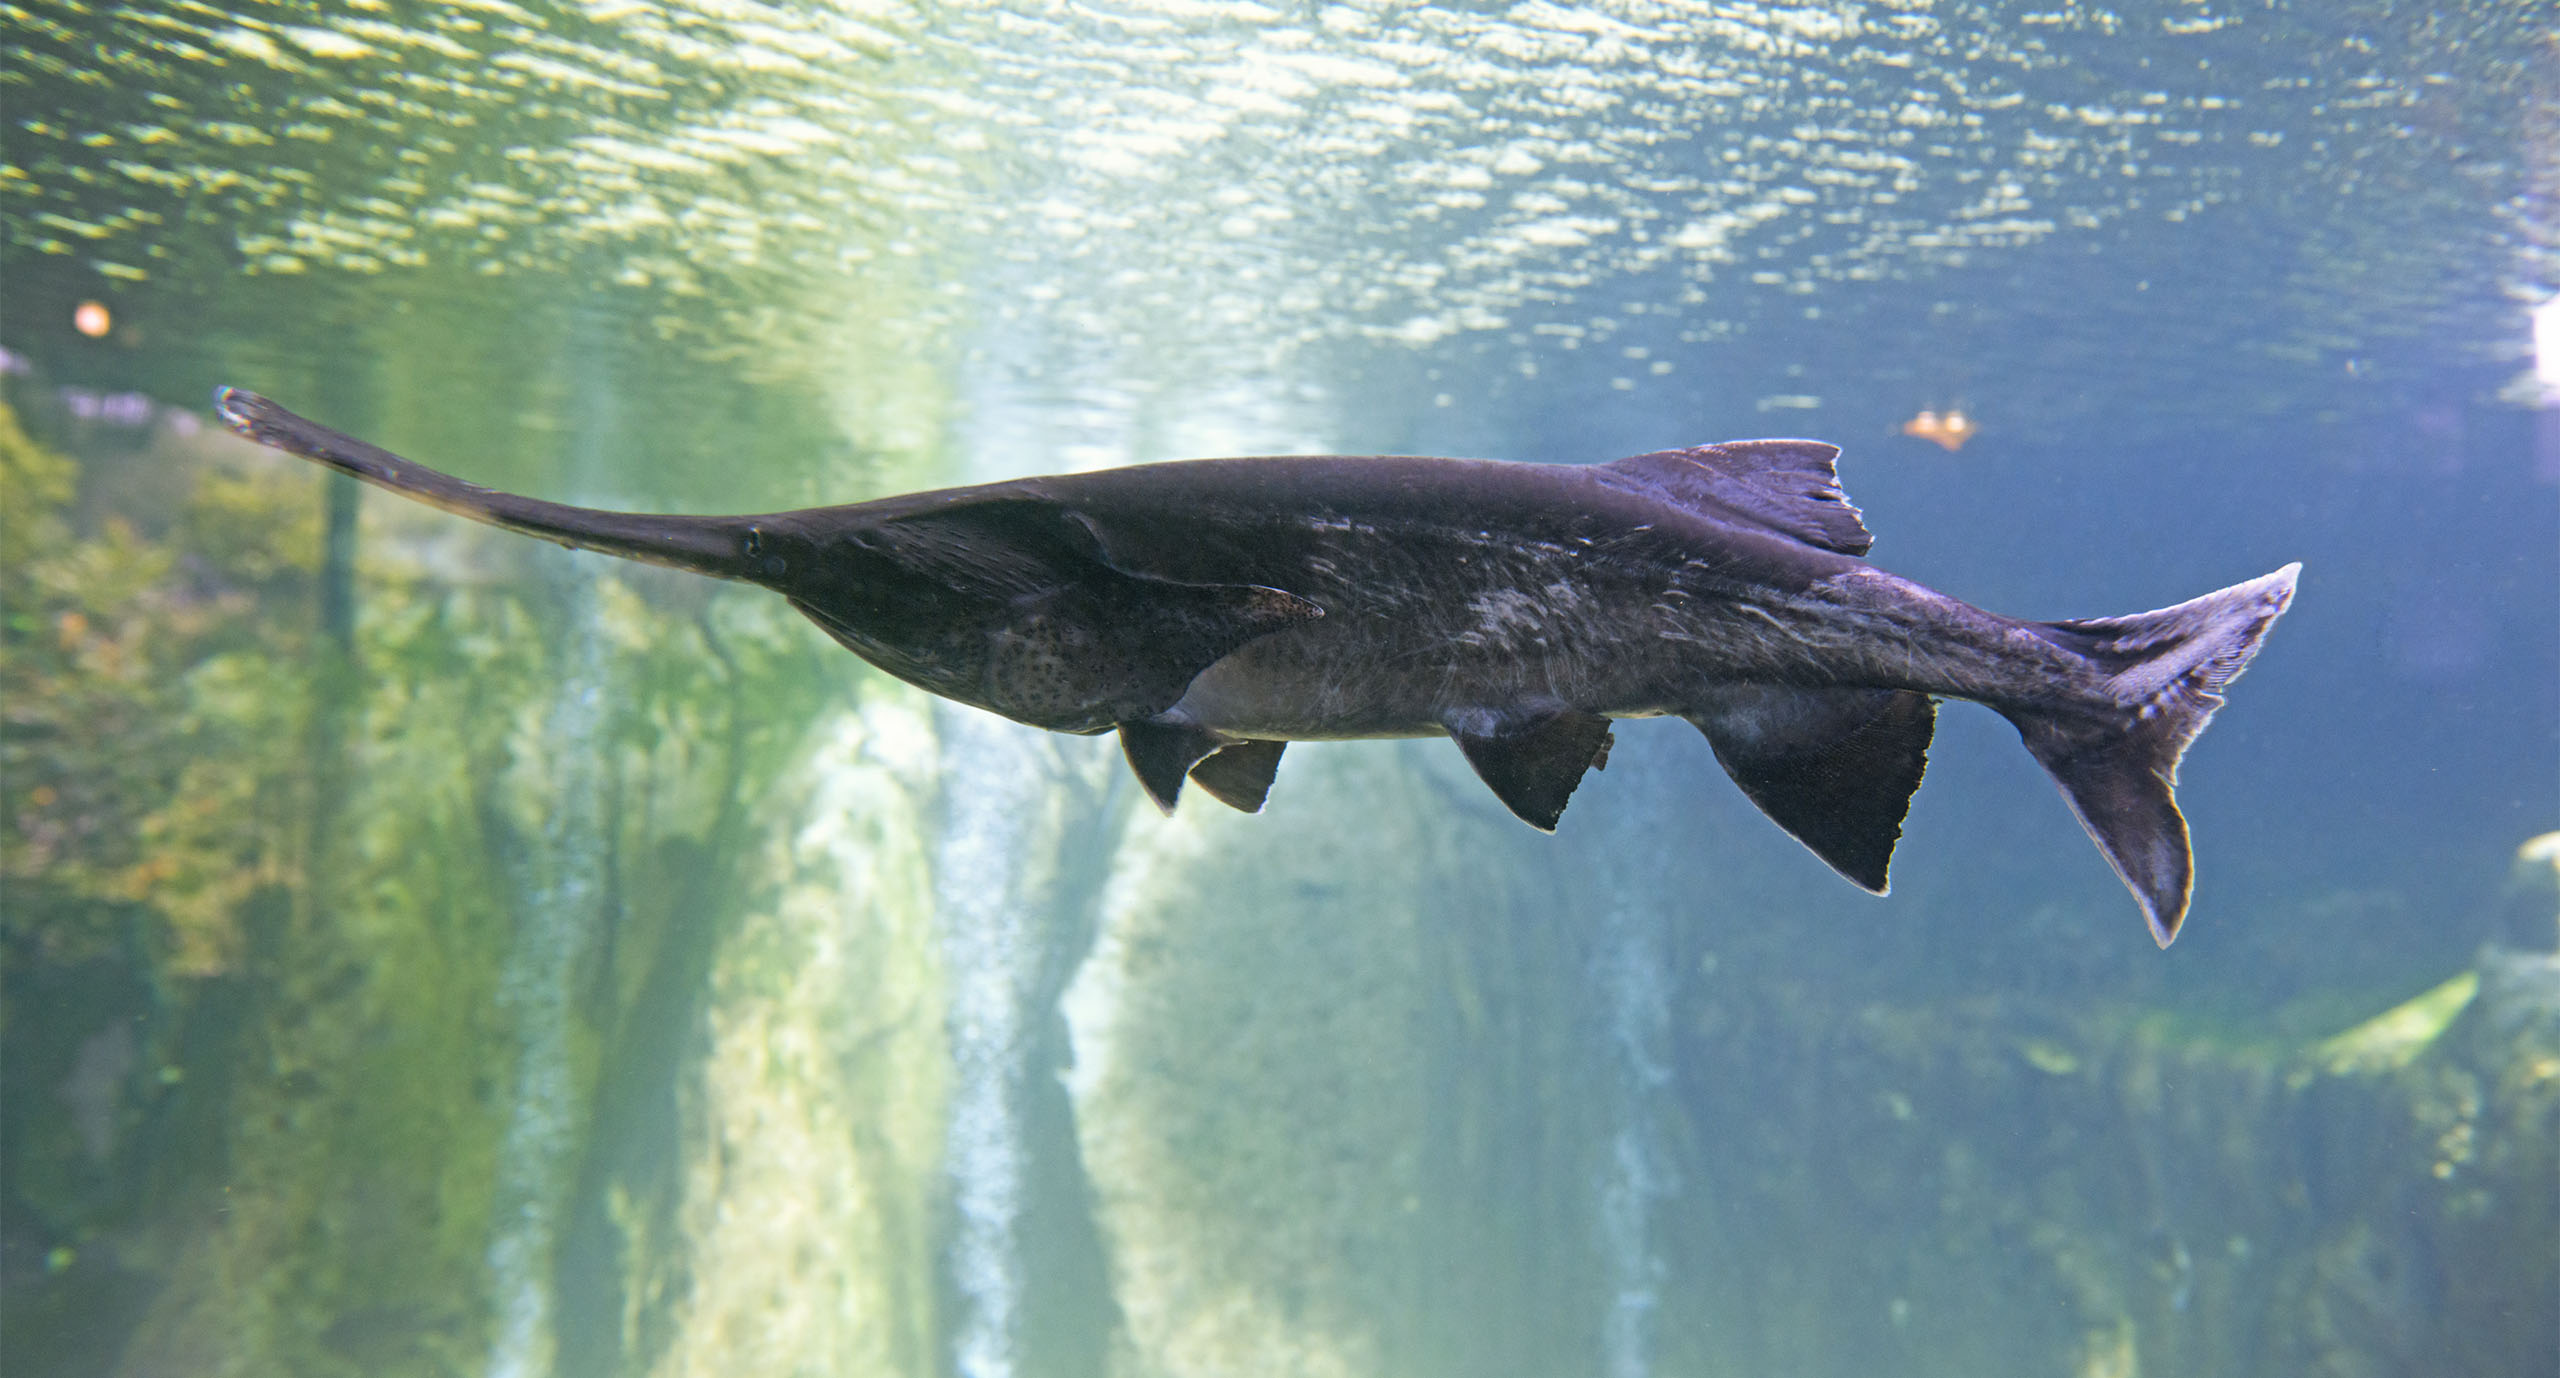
[(1212, 611)]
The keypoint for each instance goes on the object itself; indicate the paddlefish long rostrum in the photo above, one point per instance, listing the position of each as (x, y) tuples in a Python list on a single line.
[(1212, 611)]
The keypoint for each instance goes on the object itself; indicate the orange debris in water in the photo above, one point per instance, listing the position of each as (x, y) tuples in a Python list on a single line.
[(91, 319), (1950, 429)]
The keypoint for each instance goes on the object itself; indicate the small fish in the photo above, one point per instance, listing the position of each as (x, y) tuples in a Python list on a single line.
[(1212, 611)]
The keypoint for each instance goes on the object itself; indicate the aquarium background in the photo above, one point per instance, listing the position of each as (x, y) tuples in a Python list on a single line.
[(431, 952)]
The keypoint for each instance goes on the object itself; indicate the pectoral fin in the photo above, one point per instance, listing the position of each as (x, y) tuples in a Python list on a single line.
[(1836, 768), (1162, 753), (1040, 625), (1239, 776), (1533, 759)]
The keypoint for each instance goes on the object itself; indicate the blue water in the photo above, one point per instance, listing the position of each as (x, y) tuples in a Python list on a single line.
[(515, 991)]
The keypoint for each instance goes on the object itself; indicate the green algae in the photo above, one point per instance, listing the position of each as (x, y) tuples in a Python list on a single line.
[(797, 1223), (1252, 1140), (1336, 1102), (321, 992), (2398, 1036)]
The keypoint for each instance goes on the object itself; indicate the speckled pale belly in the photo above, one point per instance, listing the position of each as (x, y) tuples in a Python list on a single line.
[(1352, 676), (1402, 666)]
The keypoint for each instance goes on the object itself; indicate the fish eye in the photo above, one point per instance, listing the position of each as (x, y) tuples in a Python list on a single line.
[(754, 542)]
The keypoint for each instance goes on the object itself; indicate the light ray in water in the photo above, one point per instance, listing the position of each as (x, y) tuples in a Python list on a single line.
[(563, 880), (562, 883), (991, 784), (2546, 343), (1635, 1174)]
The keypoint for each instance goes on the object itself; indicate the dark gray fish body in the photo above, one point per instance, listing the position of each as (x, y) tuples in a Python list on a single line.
[(1212, 610)]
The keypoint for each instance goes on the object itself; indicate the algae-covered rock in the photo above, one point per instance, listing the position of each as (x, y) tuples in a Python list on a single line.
[(1247, 1087), (1259, 1038), (365, 1039), (2528, 906), (803, 1238), (2396, 1037), (2144, 1195), (658, 994)]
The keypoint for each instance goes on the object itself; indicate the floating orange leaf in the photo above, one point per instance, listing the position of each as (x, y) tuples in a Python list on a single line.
[(1950, 429)]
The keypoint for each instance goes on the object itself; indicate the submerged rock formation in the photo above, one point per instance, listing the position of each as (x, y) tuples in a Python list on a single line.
[(1359, 1086)]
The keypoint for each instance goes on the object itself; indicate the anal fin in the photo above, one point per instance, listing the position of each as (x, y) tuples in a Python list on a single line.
[(1163, 752), (1533, 759), (1239, 776), (1836, 768)]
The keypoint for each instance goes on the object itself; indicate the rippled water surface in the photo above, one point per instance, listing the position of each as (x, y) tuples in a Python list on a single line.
[(430, 952), (2304, 183)]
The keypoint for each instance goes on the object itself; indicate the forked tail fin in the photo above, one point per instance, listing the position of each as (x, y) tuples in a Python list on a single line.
[(2117, 761)]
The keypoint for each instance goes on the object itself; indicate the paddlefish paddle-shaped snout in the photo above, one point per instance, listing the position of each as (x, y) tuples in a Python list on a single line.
[(722, 547)]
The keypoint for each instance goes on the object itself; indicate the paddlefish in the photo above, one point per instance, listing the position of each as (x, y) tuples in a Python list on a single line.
[(1212, 611)]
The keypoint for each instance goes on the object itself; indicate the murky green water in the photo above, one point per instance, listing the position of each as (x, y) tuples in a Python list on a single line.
[(430, 952)]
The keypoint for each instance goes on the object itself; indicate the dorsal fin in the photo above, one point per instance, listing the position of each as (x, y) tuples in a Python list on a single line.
[(1788, 486)]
